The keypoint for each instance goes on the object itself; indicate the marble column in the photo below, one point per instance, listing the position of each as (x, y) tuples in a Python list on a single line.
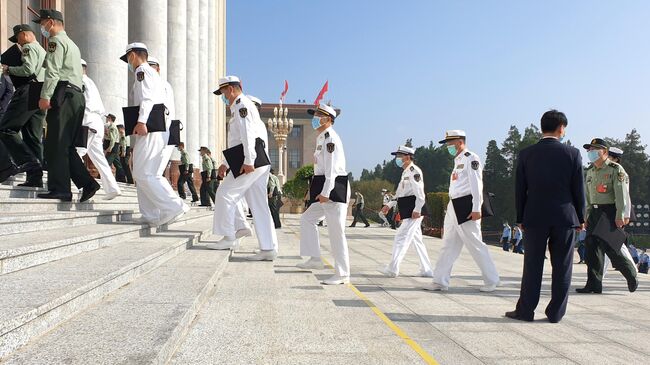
[(212, 77), (176, 60), (192, 78), (100, 30), (148, 24), (220, 122), (203, 70)]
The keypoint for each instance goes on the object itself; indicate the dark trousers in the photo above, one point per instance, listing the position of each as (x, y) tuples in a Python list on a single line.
[(63, 124), (596, 249), (358, 215), (274, 207), (185, 177), (213, 184), (21, 131), (5, 160), (560, 246), (113, 158), (124, 161), (204, 190)]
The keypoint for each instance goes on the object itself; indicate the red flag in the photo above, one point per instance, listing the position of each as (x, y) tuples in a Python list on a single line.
[(321, 93), (284, 93)]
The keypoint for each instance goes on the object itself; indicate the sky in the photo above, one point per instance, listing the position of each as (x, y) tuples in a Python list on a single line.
[(415, 68)]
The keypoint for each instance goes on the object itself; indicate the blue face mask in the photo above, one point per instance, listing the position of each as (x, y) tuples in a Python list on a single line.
[(399, 162), (315, 122), (452, 150), (225, 100), (593, 155), (44, 32)]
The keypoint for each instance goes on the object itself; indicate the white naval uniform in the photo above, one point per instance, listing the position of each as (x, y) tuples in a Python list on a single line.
[(411, 184), (171, 109), (385, 203), (466, 179), (244, 130), (95, 147), (157, 200), (330, 164)]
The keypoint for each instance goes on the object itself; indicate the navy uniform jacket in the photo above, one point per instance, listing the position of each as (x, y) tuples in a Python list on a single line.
[(549, 188)]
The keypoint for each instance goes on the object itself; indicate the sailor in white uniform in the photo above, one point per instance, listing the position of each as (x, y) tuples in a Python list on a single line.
[(332, 199), (171, 110), (158, 203)]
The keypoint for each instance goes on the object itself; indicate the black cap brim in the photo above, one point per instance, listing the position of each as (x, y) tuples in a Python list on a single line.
[(124, 58), (37, 21), (217, 92), (13, 39), (589, 145), (449, 139)]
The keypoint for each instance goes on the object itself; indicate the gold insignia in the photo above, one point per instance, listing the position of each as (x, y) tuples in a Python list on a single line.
[(25, 51), (140, 75), (621, 177), (330, 147), (460, 166), (243, 112), (51, 46)]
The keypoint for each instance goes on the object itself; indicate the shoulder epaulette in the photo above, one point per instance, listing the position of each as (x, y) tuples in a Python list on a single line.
[(467, 154)]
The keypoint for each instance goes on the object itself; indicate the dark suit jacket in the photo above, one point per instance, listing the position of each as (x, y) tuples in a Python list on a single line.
[(549, 189)]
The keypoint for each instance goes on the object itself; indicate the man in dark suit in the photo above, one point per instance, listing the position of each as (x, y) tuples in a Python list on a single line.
[(550, 201)]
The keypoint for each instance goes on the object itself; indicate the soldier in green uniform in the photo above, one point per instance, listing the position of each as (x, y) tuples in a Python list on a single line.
[(274, 191), (125, 155), (206, 170), (112, 151), (605, 186), (185, 170), (214, 177), (21, 129), (63, 98)]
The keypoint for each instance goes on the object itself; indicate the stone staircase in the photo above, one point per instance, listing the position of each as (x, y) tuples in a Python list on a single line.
[(80, 279)]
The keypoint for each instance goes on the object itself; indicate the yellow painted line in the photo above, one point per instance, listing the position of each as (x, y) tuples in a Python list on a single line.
[(398, 331)]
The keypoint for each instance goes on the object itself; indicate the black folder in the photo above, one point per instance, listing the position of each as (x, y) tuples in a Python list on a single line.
[(13, 57), (155, 122), (175, 129), (235, 157), (463, 207), (406, 206), (607, 231), (338, 195), (34, 94)]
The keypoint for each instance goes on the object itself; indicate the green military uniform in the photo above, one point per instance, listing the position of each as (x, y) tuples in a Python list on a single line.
[(214, 183), (21, 129), (605, 188), (62, 87), (113, 155), (273, 189), (185, 177), (207, 166), (125, 155)]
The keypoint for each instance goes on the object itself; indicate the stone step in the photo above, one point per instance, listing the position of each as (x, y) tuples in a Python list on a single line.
[(11, 205), (30, 193), (154, 312), (20, 251), (20, 178), (25, 222), (37, 299)]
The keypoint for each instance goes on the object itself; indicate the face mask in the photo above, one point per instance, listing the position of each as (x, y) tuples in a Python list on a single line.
[(399, 162), (225, 100), (452, 150), (593, 155), (44, 32), (315, 122)]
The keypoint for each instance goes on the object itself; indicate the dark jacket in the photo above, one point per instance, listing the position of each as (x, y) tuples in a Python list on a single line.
[(6, 92), (549, 189)]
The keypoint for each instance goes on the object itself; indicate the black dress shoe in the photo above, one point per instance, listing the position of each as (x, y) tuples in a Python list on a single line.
[(30, 166), (588, 290), (8, 172), (515, 315), (89, 192), (32, 184), (54, 195), (632, 286)]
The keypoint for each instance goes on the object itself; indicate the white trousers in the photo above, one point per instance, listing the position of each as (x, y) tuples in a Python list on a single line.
[(227, 203), (455, 236), (335, 213), (166, 156), (608, 262), (156, 198), (240, 216), (95, 151), (410, 231), (383, 217)]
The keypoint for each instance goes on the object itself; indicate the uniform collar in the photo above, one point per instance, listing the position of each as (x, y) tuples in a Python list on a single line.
[(461, 154), (329, 129), (235, 105)]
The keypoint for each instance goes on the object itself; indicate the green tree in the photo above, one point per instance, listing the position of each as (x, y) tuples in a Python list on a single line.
[(635, 161), (496, 181)]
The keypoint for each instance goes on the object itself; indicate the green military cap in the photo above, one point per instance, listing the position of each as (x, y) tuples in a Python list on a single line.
[(44, 14), (597, 143), (18, 29)]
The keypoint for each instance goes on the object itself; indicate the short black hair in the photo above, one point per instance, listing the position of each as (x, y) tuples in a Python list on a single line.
[(111, 117), (141, 53), (552, 120), (120, 126)]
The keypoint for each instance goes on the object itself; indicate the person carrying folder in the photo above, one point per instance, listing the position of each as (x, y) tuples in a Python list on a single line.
[(605, 184), (21, 129), (410, 202), (248, 138), (158, 203), (462, 224), (329, 194)]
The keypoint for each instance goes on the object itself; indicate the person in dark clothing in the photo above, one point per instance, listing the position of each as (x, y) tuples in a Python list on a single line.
[(359, 204)]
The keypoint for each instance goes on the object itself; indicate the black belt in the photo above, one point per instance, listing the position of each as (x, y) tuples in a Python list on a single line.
[(73, 87), (602, 206)]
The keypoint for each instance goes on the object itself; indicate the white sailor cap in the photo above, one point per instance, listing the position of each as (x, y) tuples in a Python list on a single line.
[(453, 134), (151, 60), (83, 62), (255, 100), (403, 150), (224, 81), (323, 108), (615, 152), (136, 46)]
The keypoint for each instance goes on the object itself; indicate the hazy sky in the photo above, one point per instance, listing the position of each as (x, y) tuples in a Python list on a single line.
[(401, 69)]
